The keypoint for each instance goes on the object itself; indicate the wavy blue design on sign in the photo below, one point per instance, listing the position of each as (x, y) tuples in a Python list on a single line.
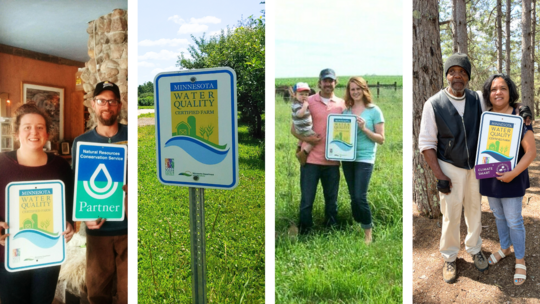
[(200, 151), (38, 238), (498, 156), (342, 145)]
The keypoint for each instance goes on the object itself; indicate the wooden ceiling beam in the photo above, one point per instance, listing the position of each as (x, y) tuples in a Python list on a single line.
[(7, 49)]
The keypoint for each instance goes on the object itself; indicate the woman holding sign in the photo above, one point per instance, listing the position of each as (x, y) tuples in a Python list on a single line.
[(30, 163), (370, 133), (505, 192)]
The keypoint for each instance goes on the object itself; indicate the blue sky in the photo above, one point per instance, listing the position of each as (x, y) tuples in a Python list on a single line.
[(352, 37), (165, 28)]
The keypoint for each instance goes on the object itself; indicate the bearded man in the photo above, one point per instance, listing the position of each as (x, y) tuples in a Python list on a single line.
[(106, 242), (317, 167)]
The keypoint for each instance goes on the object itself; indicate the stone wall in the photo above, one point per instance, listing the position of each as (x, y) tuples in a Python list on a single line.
[(108, 51)]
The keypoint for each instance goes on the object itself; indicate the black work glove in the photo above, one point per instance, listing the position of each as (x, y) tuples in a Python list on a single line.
[(443, 186)]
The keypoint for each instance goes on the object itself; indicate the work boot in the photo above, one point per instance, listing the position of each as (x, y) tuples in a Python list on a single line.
[(449, 272), (480, 261)]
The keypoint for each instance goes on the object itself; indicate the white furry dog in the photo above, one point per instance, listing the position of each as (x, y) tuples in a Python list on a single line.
[(73, 272)]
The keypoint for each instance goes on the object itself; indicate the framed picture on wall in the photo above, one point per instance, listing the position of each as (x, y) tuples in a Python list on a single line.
[(51, 100), (64, 148)]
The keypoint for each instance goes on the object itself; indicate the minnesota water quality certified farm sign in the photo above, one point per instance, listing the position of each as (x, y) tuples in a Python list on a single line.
[(341, 137), (196, 128), (35, 212), (498, 144)]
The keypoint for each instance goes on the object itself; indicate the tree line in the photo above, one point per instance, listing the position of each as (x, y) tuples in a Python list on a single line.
[(146, 94), (241, 48)]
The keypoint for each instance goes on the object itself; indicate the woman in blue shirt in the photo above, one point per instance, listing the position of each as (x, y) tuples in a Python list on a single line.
[(370, 133), (505, 192)]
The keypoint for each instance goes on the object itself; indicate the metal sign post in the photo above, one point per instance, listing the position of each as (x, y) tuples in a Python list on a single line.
[(198, 244)]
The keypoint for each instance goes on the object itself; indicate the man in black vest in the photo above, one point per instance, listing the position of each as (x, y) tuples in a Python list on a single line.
[(448, 138)]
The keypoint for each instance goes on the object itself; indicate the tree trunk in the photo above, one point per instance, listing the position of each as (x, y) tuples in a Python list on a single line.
[(533, 33), (454, 28), (508, 20), (259, 126), (527, 78), (427, 80), (533, 48), (537, 102), (499, 37), (461, 27)]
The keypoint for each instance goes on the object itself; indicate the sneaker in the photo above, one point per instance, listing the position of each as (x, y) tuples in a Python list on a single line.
[(480, 261), (449, 272), (302, 157)]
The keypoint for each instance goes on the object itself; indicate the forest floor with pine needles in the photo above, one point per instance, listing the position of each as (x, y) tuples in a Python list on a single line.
[(494, 285)]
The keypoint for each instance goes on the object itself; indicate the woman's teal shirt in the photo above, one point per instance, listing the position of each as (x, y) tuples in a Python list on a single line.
[(365, 147)]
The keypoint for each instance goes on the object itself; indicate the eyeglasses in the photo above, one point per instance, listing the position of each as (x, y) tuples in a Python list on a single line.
[(102, 102)]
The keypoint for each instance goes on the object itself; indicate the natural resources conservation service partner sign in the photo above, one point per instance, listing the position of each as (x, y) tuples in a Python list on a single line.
[(196, 128), (100, 173)]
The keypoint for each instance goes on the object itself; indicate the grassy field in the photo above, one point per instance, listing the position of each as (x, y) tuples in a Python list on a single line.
[(234, 228), (146, 115), (334, 266), (342, 80), (146, 107)]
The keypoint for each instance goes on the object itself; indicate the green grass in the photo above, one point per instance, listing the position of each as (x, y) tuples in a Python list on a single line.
[(342, 80), (146, 115), (334, 266), (146, 107), (234, 227)]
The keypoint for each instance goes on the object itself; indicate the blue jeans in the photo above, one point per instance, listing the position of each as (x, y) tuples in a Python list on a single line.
[(310, 175), (509, 221), (357, 175), (34, 286)]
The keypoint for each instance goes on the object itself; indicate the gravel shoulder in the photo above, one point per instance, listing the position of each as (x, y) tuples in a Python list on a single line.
[(145, 121)]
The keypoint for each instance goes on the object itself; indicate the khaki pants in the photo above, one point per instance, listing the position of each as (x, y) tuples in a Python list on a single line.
[(465, 192), (106, 257)]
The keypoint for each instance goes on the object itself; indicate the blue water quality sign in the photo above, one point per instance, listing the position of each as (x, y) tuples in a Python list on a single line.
[(196, 128), (100, 173)]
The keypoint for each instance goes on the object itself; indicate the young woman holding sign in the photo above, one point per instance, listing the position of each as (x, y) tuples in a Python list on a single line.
[(370, 133), (30, 163), (505, 192)]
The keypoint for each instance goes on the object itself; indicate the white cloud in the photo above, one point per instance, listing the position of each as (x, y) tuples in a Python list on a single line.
[(207, 19), (176, 19), (164, 42), (145, 64), (162, 55), (190, 28), (203, 20), (214, 33), (195, 25)]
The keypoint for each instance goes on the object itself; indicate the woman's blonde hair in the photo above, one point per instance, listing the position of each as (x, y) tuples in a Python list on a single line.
[(362, 83)]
